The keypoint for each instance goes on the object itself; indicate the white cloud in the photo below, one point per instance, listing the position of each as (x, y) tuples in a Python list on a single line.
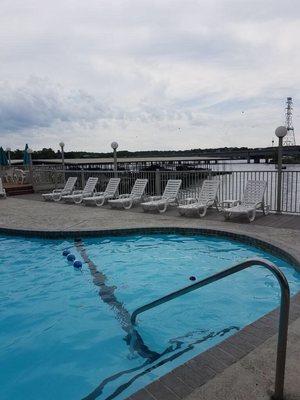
[(137, 71)]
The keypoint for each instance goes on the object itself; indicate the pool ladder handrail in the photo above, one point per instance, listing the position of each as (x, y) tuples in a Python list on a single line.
[(283, 318)]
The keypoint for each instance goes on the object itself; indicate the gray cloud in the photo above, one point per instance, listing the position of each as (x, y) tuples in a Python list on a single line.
[(138, 70), (38, 104)]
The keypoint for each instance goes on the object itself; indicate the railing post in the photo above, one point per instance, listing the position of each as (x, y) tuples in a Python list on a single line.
[(56, 178), (157, 183), (82, 178), (279, 176), (64, 175), (30, 169)]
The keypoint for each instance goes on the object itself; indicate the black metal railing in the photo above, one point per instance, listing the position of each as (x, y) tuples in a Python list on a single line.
[(232, 183)]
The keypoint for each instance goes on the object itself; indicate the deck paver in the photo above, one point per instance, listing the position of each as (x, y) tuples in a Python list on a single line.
[(178, 386)]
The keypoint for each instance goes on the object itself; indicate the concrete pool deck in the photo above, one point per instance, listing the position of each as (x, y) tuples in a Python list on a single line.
[(249, 375)]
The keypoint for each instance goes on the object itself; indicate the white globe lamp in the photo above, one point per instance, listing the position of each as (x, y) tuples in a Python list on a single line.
[(281, 131)]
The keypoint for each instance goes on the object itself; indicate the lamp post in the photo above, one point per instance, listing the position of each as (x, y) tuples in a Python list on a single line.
[(280, 132), (30, 151), (62, 145), (114, 146), (8, 150)]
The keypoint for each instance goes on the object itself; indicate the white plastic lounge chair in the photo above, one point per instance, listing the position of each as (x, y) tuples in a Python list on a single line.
[(253, 199), (100, 198), (207, 198), (58, 193), (169, 197), (2, 190), (128, 200), (78, 195)]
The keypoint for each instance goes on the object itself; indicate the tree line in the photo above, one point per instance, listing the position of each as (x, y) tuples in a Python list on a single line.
[(48, 153)]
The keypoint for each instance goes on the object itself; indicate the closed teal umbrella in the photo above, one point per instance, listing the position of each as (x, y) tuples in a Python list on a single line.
[(3, 158), (26, 156)]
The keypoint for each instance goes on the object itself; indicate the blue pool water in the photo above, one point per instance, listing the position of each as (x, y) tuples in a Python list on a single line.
[(65, 333)]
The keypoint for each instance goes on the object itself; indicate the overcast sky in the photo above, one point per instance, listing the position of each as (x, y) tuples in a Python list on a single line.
[(150, 74)]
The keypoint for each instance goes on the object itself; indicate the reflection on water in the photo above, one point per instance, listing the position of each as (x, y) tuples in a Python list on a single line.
[(240, 165)]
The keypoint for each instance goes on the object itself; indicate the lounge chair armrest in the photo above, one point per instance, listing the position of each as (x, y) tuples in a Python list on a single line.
[(259, 204), (154, 198), (56, 190), (228, 203), (77, 192), (171, 200), (188, 200), (124, 196), (98, 193)]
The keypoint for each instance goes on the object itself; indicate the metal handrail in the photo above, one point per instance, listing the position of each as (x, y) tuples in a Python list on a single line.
[(283, 318)]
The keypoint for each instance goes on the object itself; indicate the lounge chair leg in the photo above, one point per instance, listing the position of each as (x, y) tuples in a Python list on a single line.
[(78, 201), (227, 215), (251, 215), (181, 212), (266, 209), (202, 212), (163, 209), (128, 205), (100, 203)]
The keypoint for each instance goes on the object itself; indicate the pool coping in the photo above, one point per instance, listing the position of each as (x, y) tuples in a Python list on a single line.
[(271, 246), (187, 377), (191, 375)]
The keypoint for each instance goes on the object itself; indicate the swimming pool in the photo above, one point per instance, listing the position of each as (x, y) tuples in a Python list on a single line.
[(66, 334)]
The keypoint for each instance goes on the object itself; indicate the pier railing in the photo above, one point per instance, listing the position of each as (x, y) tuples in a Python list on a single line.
[(231, 187)]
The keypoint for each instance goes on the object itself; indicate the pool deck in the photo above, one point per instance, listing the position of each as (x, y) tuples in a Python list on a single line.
[(241, 367)]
